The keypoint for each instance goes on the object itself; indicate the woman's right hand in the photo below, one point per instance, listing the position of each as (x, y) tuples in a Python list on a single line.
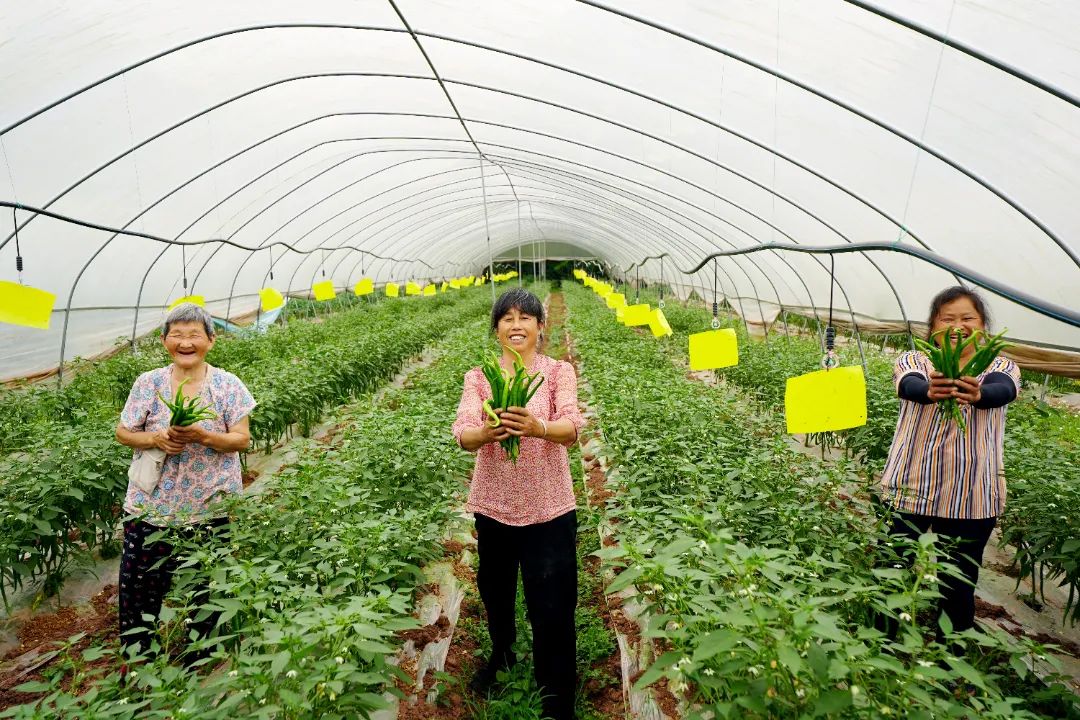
[(495, 434), (941, 387), (164, 441)]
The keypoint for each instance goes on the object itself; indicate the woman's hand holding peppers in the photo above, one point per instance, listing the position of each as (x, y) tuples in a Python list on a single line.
[(965, 390), (968, 390), (520, 422)]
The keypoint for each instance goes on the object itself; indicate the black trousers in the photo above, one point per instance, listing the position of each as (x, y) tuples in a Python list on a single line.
[(966, 541), (143, 586), (546, 553)]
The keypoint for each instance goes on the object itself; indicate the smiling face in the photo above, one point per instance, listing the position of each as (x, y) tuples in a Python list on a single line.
[(519, 330), (188, 343), (960, 314)]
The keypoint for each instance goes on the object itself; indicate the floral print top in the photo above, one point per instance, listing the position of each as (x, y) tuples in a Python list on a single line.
[(197, 477), (539, 487)]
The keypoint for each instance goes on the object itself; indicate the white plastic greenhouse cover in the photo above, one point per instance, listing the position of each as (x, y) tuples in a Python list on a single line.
[(678, 127)]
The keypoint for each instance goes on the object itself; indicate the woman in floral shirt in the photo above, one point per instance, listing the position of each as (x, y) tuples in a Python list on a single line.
[(202, 464), (525, 514)]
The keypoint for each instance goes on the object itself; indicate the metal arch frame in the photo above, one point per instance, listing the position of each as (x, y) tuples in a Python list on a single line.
[(629, 128), (795, 272), (668, 212), (453, 225), (969, 50), (133, 233), (632, 129), (263, 242), (762, 68), (1047, 309), (280, 198), (336, 114), (512, 162), (677, 239), (888, 127), (661, 229), (497, 90)]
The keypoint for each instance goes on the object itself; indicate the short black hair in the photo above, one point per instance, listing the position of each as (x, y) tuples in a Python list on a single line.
[(950, 294), (519, 298)]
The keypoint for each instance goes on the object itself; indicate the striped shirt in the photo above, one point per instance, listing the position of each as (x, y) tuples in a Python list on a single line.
[(936, 469)]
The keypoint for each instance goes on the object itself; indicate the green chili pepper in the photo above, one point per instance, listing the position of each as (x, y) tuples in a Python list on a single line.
[(186, 412), (508, 390), (945, 356)]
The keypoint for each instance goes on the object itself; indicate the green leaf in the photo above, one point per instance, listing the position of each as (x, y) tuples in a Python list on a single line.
[(790, 658)]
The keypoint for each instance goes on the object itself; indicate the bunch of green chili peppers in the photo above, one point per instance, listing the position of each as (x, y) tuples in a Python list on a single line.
[(945, 355), (508, 390)]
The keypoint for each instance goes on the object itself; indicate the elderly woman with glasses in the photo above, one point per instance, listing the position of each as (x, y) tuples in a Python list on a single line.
[(201, 466)]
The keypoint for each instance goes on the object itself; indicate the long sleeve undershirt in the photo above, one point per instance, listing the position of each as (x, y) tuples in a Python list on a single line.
[(998, 389)]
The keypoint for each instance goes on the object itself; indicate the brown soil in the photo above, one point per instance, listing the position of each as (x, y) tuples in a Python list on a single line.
[(47, 632), (990, 611), (453, 547), (248, 477), (598, 491), (421, 636)]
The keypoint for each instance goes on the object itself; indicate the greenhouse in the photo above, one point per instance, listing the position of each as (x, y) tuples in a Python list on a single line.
[(567, 359)]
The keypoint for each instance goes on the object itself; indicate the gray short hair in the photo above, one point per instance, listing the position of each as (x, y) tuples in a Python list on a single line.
[(189, 312)]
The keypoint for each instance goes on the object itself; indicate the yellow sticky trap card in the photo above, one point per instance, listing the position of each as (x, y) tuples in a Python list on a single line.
[(714, 349), (659, 324), (430, 290), (620, 314), (826, 400), (392, 289), (324, 290), (412, 288), (579, 274), (443, 287), (616, 300), (364, 287), (637, 315), (270, 299), (26, 306), (193, 299)]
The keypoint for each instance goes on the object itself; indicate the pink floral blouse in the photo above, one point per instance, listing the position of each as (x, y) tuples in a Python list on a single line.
[(539, 487), (194, 479)]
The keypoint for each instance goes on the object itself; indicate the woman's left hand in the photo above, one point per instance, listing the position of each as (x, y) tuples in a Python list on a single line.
[(968, 390), (520, 422), (189, 434)]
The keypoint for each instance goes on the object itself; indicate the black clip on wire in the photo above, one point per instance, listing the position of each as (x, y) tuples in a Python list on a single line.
[(18, 249), (830, 360)]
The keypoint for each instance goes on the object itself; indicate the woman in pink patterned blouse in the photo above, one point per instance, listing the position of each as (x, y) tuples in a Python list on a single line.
[(201, 466), (525, 512)]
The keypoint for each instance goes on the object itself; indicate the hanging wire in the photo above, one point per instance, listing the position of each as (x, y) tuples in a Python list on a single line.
[(271, 263), (487, 230), (922, 132), (183, 265), (661, 303), (715, 304), (830, 360), (18, 249), (322, 263)]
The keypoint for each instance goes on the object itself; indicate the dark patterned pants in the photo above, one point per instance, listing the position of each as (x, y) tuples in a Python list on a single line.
[(146, 574)]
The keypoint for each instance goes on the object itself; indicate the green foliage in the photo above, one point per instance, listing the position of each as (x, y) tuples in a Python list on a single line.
[(762, 577), (63, 488), (315, 575)]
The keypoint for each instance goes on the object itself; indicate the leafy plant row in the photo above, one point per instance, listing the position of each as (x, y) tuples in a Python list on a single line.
[(764, 584), (61, 495), (315, 577), (1042, 445)]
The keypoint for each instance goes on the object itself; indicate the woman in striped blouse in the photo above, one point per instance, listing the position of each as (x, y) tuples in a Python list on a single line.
[(939, 478)]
